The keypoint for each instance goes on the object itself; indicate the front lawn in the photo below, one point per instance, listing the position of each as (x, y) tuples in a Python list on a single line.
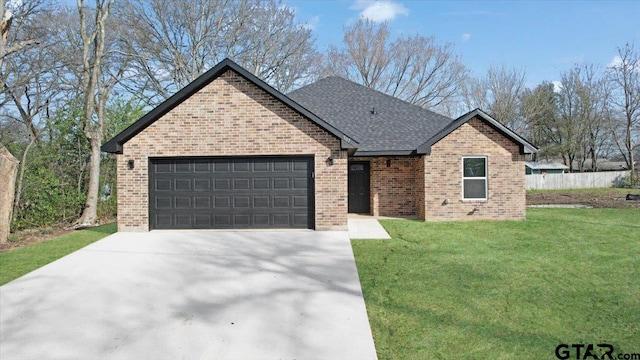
[(504, 290), (17, 262)]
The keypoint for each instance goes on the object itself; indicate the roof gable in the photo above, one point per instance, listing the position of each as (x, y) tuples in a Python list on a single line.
[(115, 144), (525, 146)]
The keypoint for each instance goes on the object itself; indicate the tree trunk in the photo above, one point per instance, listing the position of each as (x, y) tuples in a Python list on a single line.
[(20, 180), (93, 52), (89, 215), (8, 172)]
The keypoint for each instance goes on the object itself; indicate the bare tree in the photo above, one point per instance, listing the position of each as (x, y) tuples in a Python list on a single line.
[(7, 47), (93, 37), (499, 93), (624, 78), (175, 42), (538, 108), (29, 86), (577, 132), (593, 95), (413, 68), (11, 45)]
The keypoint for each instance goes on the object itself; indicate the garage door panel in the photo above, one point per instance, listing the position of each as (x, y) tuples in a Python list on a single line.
[(163, 166), (222, 184), (202, 166), (222, 202), (182, 184), (261, 184), (241, 184), (163, 202), (202, 221), (182, 167), (202, 184), (300, 165), (260, 202), (241, 202), (222, 220), (281, 220), (231, 193), (281, 166), (183, 221), (300, 183), (183, 202), (281, 183), (300, 219), (300, 201), (281, 202), (261, 166), (242, 220), (202, 202)]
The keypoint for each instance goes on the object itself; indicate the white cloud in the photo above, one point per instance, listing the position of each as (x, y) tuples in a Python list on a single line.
[(616, 61), (466, 37), (312, 23), (380, 10), (557, 86)]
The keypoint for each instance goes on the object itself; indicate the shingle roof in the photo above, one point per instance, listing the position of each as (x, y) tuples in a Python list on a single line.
[(546, 165), (364, 119), (383, 124), (380, 123)]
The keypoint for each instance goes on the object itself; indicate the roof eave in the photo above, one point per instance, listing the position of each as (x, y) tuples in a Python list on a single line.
[(367, 153)]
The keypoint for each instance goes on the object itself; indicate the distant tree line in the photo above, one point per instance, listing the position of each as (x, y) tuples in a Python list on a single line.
[(73, 76)]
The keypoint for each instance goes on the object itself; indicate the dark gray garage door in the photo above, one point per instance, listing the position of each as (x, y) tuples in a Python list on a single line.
[(222, 193)]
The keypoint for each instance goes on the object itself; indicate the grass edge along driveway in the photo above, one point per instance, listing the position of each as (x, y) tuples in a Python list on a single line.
[(17, 262), (504, 289)]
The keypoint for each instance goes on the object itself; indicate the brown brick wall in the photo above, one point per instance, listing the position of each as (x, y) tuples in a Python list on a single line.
[(443, 176), (394, 190), (233, 117)]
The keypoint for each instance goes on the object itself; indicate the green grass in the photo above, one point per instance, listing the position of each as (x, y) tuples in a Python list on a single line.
[(17, 262), (504, 290)]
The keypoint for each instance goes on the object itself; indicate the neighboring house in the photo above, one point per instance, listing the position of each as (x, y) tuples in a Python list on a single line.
[(603, 165), (535, 167), (229, 151)]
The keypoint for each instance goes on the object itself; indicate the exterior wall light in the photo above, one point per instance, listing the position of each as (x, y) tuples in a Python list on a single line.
[(130, 164), (330, 160)]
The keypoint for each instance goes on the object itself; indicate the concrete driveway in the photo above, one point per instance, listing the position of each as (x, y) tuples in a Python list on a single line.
[(192, 295)]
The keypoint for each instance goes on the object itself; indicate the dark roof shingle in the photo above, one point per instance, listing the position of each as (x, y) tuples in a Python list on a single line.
[(380, 123)]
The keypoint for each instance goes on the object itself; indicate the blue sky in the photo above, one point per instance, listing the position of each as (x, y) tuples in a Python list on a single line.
[(543, 37)]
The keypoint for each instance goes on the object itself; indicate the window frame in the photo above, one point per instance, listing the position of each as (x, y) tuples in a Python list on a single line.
[(485, 177)]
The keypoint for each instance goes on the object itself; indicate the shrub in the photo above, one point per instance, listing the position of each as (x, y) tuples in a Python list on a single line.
[(624, 181)]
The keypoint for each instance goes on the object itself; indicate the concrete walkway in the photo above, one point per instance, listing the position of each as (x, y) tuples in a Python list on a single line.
[(366, 227), (192, 295)]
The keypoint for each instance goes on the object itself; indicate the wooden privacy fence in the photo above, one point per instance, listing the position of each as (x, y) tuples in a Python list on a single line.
[(573, 180)]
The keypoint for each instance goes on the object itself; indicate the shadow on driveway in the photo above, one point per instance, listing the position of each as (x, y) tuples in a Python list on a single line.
[(192, 295)]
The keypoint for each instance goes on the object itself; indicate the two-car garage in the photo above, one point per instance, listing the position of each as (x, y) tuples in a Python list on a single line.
[(231, 192), (228, 151)]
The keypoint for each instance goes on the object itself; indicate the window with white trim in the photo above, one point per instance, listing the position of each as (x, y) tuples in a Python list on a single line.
[(474, 178)]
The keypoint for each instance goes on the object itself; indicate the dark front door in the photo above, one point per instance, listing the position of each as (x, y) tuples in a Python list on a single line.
[(359, 187), (231, 193)]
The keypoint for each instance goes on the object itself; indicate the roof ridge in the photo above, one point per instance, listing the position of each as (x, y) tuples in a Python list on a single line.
[(376, 91)]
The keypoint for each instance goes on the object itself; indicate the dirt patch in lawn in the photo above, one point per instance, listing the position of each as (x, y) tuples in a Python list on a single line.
[(600, 198), (32, 236), (26, 237)]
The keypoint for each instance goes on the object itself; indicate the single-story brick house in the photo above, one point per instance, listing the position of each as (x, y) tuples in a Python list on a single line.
[(229, 151)]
